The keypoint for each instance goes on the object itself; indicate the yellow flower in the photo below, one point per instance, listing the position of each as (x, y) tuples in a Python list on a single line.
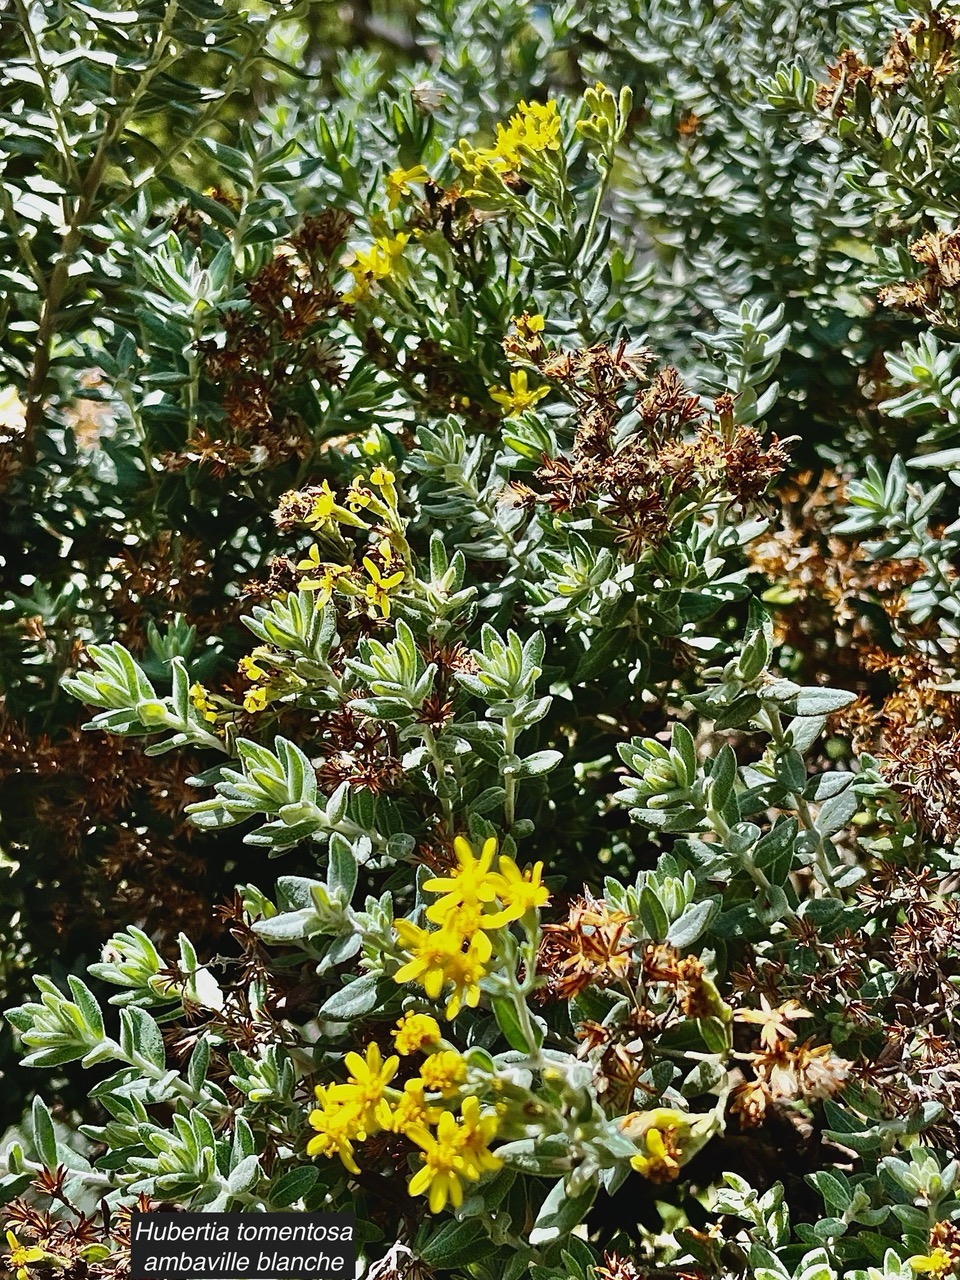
[(379, 588), (520, 396), (203, 702), (414, 1032), (660, 1133), (324, 505), (457, 1152), (471, 883), (381, 257), (366, 1088), (327, 511), (374, 264), (519, 892), (937, 1263), (311, 562), (22, 1255), (247, 666), (382, 478), (467, 921), (337, 1127), (325, 583), (535, 126), (412, 1110), (477, 1133), (437, 958), (443, 1163), (464, 970), (474, 885), (399, 183), (660, 1163), (443, 1072), (358, 495), (255, 701), (429, 953), (529, 327)]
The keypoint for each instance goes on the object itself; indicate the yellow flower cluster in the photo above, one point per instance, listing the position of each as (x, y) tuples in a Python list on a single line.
[(265, 686), (255, 700), (534, 128), (474, 901), (444, 1072), (328, 575), (529, 327), (264, 689), (378, 589), (354, 1111), (374, 264), (938, 1263), (248, 666), (327, 513), (203, 703), (453, 1150)]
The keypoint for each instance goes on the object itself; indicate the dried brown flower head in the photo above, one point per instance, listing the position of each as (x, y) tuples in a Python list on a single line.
[(592, 946)]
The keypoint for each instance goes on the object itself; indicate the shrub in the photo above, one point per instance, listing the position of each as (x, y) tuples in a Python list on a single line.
[(442, 531)]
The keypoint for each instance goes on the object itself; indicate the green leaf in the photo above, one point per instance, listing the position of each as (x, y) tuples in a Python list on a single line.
[(538, 763), (342, 875), (836, 1194), (723, 775), (681, 739), (198, 1064), (508, 1020), (454, 1245), (774, 853), (605, 648), (653, 915), (821, 702), (560, 1213), (44, 1136), (353, 1000), (245, 1175), (140, 1035), (87, 1004), (692, 923), (837, 812), (293, 1186)]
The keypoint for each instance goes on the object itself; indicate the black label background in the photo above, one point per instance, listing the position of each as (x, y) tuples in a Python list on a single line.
[(144, 1249)]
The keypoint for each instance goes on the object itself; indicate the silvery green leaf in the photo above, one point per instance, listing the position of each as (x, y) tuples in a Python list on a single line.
[(693, 922)]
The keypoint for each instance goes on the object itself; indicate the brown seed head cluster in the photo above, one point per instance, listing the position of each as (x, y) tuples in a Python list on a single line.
[(675, 460), (934, 294), (268, 349), (929, 44), (593, 946)]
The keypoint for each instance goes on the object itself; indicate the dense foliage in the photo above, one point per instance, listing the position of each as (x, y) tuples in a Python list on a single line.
[(526, 510)]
